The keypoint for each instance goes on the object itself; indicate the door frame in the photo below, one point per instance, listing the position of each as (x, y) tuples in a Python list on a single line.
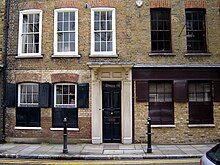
[(101, 71)]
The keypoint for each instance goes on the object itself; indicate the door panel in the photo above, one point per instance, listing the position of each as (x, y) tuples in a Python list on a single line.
[(112, 112)]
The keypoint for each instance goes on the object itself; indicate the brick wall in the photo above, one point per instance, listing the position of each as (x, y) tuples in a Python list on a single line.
[(133, 45)]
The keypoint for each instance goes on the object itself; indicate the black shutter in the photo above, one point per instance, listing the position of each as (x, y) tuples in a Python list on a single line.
[(83, 95), (142, 91), (11, 98), (44, 95), (52, 95), (217, 91), (180, 91)]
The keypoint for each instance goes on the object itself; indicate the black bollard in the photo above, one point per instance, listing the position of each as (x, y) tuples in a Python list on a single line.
[(149, 149), (65, 150)]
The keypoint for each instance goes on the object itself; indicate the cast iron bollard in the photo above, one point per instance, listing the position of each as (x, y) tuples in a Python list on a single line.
[(149, 149), (65, 150)]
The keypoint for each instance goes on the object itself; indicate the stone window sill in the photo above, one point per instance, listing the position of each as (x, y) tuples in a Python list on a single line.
[(28, 128), (103, 55), (61, 129), (28, 56), (65, 56), (200, 125), (198, 54), (162, 54), (163, 126)]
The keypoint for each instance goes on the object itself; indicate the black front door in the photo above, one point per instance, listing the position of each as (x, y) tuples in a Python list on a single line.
[(111, 101)]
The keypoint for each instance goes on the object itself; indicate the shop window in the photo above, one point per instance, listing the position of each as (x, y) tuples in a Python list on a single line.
[(30, 30), (160, 31), (103, 32), (200, 103), (161, 103), (196, 31)]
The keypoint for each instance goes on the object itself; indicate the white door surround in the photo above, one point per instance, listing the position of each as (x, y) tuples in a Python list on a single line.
[(111, 72)]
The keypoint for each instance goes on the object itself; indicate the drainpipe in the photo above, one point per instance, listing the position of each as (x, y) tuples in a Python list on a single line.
[(5, 65)]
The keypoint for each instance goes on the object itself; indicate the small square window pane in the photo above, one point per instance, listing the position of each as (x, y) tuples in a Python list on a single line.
[(31, 18), (65, 99), (96, 25), (97, 37), (72, 46), (36, 18), (109, 15), (65, 89), (36, 27), (60, 47), (36, 38), (66, 26), (59, 99), (97, 15), (72, 16), (103, 15), (25, 18), (109, 25), (36, 48), (109, 36), (66, 16), (97, 46), (30, 28), (59, 89), (72, 89), (103, 25), (60, 17), (60, 37), (109, 46), (30, 48), (66, 37), (60, 26), (72, 26), (103, 36), (72, 99), (72, 36), (103, 46), (66, 47)]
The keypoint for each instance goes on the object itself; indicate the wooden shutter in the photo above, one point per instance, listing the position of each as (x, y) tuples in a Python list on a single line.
[(180, 91), (11, 95), (52, 95), (142, 91), (44, 95), (83, 95), (217, 91)]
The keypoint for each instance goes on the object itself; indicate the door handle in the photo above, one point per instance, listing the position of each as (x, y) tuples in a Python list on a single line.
[(101, 109), (112, 113)]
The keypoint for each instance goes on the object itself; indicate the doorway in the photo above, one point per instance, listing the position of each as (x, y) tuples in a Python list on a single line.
[(111, 105)]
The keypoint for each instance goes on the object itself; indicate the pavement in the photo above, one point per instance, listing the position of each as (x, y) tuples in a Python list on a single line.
[(102, 151)]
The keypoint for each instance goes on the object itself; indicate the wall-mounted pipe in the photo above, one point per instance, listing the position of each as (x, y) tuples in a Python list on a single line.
[(6, 30)]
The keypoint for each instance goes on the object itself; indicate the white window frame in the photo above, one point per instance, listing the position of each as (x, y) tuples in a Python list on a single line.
[(103, 53), (71, 53), (65, 105), (31, 11), (19, 96)]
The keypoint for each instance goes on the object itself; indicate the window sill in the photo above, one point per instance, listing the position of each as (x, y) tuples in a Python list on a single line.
[(162, 54), (198, 54), (61, 129), (103, 55), (28, 128), (28, 56), (65, 56), (200, 125), (163, 126)]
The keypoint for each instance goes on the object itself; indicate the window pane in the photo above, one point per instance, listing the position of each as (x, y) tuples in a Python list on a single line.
[(60, 16)]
